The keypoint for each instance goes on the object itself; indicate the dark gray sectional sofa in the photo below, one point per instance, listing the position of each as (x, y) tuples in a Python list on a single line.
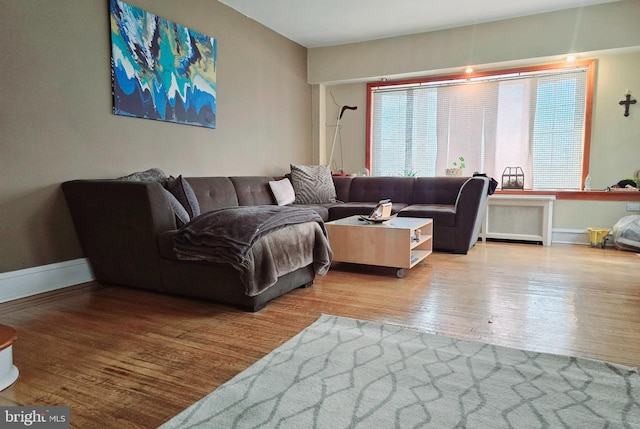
[(126, 228)]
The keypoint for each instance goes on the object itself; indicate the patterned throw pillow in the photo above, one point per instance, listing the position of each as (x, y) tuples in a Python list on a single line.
[(282, 191), (182, 190), (313, 184)]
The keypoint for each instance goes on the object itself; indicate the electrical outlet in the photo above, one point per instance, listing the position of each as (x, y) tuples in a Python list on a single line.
[(633, 207)]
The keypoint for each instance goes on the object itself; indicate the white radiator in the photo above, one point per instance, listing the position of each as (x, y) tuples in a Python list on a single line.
[(519, 217)]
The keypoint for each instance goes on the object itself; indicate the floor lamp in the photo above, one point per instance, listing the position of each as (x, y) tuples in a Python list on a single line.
[(335, 135)]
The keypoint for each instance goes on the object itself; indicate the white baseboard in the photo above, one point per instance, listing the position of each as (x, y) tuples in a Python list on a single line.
[(45, 278), (574, 236)]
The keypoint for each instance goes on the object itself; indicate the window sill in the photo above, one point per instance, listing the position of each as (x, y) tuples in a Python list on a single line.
[(578, 195)]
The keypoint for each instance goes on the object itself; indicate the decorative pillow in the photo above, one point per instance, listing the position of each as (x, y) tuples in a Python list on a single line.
[(182, 190), (182, 217), (150, 175), (313, 184), (282, 191)]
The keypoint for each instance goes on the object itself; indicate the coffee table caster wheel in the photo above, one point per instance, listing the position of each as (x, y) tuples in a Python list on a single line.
[(400, 273)]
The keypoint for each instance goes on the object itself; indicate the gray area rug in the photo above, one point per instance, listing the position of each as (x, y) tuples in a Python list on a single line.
[(347, 373)]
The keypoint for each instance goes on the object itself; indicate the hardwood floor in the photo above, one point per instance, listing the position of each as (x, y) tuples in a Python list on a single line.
[(124, 358)]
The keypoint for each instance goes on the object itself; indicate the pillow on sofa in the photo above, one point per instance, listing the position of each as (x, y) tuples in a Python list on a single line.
[(182, 217), (313, 184), (282, 191), (182, 190)]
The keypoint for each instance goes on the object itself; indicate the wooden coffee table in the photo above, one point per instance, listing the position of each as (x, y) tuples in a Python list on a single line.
[(387, 244)]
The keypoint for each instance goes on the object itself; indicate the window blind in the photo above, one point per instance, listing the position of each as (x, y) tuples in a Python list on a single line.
[(534, 121)]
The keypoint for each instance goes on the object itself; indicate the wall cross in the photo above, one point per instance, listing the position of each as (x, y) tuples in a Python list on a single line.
[(627, 102)]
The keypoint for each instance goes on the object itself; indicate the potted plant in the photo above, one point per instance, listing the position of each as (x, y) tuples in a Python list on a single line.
[(458, 167)]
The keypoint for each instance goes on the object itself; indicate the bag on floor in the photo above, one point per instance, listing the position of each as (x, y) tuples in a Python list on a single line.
[(626, 233)]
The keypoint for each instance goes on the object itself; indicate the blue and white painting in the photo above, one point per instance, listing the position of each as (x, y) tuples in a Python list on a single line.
[(161, 70)]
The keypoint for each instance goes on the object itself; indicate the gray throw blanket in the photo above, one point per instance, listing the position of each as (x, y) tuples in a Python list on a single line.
[(228, 235)]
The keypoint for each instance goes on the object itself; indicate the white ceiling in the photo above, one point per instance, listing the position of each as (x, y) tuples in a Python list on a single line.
[(315, 23)]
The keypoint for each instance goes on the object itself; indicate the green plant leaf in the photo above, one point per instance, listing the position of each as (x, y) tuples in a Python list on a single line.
[(461, 165)]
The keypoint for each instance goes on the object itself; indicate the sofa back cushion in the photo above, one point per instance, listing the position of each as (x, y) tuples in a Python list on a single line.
[(253, 190), (213, 192), (343, 186), (366, 188), (437, 190)]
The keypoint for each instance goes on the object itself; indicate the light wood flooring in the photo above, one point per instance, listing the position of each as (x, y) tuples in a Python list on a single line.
[(124, 358)]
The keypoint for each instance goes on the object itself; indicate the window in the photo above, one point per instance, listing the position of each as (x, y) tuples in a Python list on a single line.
[(536, 118)]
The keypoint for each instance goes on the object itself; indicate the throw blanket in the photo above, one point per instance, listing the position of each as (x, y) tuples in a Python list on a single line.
[(239, 236)]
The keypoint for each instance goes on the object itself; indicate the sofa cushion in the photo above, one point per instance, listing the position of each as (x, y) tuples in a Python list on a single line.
[(321, 209), (437, 190), (442, 214), (214, 192), (374, 189), (313, 184), (182, 190), (253, 190), (282, 191), (364, 208), (343, 186)]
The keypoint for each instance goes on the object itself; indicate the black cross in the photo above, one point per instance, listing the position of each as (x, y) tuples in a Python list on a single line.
[(626, 103)]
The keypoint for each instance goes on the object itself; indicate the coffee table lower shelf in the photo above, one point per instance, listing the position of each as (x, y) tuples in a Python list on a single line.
[(389, 244)]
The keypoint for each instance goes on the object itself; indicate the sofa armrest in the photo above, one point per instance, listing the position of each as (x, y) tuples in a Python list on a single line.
[(470, 209), (117, 224)]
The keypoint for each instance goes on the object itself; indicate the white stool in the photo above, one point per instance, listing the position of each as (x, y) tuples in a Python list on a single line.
[(8, 371)]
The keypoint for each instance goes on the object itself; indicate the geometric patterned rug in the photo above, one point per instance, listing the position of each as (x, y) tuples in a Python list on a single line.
[(348, 373)]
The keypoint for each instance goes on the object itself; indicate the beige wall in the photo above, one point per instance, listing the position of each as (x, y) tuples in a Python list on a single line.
[(615, 144), (56, 122), (595, 28)]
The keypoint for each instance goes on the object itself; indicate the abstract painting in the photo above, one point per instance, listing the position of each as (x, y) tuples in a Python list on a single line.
[(161, 70)]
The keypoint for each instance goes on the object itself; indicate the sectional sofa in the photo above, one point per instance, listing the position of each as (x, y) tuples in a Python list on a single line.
[(127, 229)]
